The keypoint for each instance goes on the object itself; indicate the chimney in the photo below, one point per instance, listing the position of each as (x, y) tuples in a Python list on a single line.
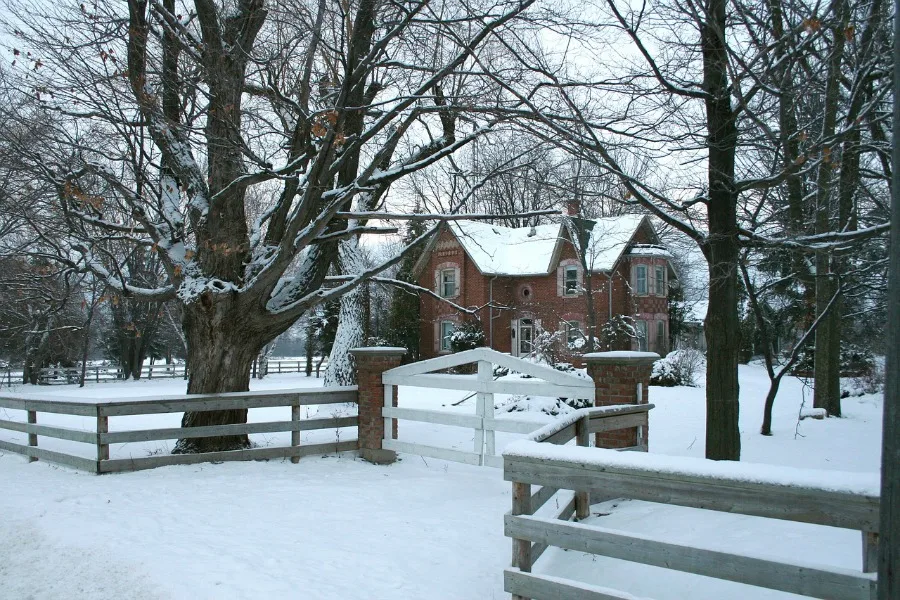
[(573, 207)]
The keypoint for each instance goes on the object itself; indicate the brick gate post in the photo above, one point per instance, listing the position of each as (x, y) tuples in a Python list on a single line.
[(370, 364), (617, 376)]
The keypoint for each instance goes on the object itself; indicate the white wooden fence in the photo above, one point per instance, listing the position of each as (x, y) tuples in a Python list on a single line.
[(544, 381)]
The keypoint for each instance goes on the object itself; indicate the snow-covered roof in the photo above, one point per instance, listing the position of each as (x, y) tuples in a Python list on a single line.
[(649, 250), (498, 250), (609, 237)]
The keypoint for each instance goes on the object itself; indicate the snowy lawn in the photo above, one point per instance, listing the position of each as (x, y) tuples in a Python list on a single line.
[(338, 527)]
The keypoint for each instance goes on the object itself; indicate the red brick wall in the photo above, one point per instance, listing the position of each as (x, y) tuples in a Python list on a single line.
[(617, 384), (370, 366)]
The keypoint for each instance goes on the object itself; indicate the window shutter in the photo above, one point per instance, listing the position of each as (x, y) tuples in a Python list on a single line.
[(514, 346), (458, 278), (437, 337), (437, 282), (560, 281), (580, 280)]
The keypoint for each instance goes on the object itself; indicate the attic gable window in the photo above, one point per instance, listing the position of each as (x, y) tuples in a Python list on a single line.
[(448, 283), (570, 282)]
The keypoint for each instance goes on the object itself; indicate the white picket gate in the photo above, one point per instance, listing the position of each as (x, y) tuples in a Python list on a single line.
[(545, 381)]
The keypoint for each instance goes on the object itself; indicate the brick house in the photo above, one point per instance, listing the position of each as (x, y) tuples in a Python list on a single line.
[(530, 279)]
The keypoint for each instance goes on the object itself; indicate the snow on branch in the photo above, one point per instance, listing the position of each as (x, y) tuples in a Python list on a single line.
[(346, 233), (441, 216), (818, 242)]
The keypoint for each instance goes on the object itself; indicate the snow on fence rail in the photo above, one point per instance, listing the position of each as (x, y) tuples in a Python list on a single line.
[(101, 437), (547, 382), (825, 498)]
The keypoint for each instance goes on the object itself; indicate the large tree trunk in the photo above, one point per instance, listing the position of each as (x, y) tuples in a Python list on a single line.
[(221, 349), (723, 332), (889, 510), (350, 334), (827, 387)]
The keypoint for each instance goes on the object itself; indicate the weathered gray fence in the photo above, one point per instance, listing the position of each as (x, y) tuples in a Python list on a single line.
[(530, 463), (101, 437)]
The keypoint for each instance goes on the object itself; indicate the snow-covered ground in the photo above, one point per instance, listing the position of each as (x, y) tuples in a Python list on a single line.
[(337, 527)]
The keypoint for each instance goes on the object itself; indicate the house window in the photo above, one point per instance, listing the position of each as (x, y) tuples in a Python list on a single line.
[(661, 338), (570, 281), (447, 329), (573, 332), (660, 281), (640, 328), (640, 280), (448, 283)]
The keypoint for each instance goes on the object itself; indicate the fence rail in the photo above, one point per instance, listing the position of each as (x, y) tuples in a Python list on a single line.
[(101, 437), (101, 374), (682, 482)]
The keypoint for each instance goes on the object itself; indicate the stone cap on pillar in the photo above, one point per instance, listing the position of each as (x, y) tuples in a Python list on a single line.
[(379, 351), (621, 357)]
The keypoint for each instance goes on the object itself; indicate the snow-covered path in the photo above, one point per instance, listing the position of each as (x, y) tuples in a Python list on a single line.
[(326, 528), (339, 528)]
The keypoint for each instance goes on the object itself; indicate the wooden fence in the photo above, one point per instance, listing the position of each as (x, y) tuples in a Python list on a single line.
[(603, 472), (101, 437), (106, 373)]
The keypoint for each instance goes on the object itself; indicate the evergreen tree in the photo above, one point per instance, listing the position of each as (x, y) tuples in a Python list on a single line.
[(404, 320)]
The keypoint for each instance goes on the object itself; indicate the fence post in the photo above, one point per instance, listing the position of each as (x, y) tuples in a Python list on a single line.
[(371, 363), (582, 438), (32, 437), (870, 552), (521, 549), (484, 440), (102, 427), (621, 378), (295, 432)]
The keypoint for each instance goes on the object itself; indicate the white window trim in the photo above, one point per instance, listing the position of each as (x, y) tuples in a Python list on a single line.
[(656, 280), (646, 331), (566, 270), (439, 279), (561, 270), (444, 282), (442, 337), (660, 347)]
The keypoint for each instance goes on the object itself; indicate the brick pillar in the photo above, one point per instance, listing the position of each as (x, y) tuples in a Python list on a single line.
[(616, 377), (370, 364)]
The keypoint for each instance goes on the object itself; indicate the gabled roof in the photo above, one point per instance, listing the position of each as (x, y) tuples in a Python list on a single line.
[(498, 250), (518, 251), (609, 238)]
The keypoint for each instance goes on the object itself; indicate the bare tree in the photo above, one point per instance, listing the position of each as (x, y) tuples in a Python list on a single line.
[(698, 89), (170, 113)]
